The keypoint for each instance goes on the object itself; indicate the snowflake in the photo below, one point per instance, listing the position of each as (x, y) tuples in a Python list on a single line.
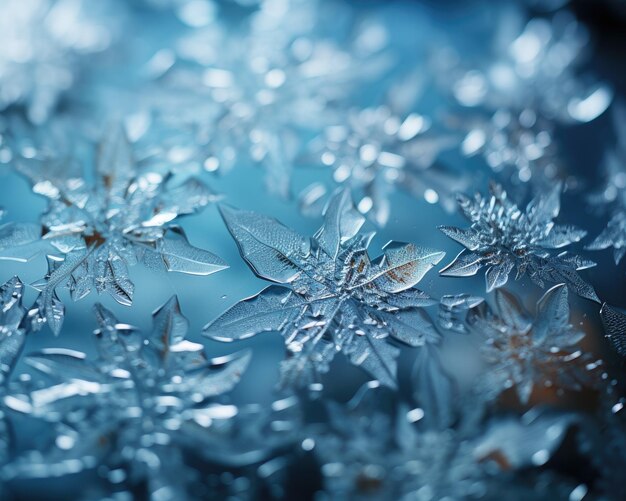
[(260, 88), (12, 336), (42, 42), (535, 71), (613, 193), (334, 298), (503, 237), (529, 83), (374, 149), (524, 352), (102, 228), (520, 147), (132, 411), (367, 454)]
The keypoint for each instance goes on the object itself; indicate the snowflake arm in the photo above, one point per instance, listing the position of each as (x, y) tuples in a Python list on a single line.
[(615, 327), (614, 235)]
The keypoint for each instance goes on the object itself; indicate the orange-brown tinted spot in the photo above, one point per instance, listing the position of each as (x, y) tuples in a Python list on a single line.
[(367, 484), (96, 239), (361, 267), (498, 458), (401, 273)]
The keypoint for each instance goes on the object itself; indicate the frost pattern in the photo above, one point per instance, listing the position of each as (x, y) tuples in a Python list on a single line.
[(100, 229), (258, 88), (134, 409), (42, 42), (372, 150), (12, 336), (334, 298), (612, 196), (503, 237), (525, 352), (19, 241), (367, 453), (615, 327), (529, 82)]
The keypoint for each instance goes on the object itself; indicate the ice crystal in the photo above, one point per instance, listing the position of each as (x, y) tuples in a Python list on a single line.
[(525, 352), (375, 149), (503, 237), (524, 142), (42, 40), (265, 85), (365, 455), (101, 228), (12, 335), (615, 327), (19, 241), (613, 193), (530, 83), (334, 298), (536, 70), (131, 411), (614, 235)]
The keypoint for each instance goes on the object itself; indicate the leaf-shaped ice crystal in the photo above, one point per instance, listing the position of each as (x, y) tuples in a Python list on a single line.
[(502, 237), (333, 298), (615, 327), (123, 217), (129, 408), (525, 352)]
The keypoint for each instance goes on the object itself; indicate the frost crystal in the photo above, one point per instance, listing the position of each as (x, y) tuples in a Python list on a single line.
[(123, 217), (615, 327), (503, 237), (42, 40), (524, 352), (12, 335), (524, 143), (335, 299), (19, 241), (132, 411), (536, 70), (265, 86), (379, 148), (613, 193), (614, 235), (529, 83), (365, 455)]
